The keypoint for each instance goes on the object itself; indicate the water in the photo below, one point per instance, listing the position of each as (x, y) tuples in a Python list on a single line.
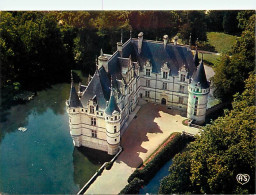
[(153, 186), (42, 159)]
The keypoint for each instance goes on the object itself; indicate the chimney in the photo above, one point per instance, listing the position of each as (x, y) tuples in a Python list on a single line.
[(176, 40), (120, 44), (103, 61), (165, 38), (140, 39)]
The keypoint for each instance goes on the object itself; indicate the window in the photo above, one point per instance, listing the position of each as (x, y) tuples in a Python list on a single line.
[(93, 121), (147, 94), (182, 77), (114, 129), (181, 89), (74, 110), (164, 86), (115, 117), (180, 100), (94, 133), (147, 83), (165, 74), (91, 109), (197, 89), (148, 72), (82, 110), (196, 103), (101, 114)]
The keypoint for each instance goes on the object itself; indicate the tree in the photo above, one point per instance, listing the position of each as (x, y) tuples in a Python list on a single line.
[(230, 22), (193, 22), (231, 71), (224, 149)]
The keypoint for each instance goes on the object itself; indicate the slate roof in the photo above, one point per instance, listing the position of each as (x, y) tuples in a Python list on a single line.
[(112, 105), (73, 98), (99, 86), (176, 56), (196, 59), (200, 77)]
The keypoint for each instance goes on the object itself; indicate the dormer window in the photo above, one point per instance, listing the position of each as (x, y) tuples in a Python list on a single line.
[(182, 77), (165, 74), (148, 72), (91, 109)]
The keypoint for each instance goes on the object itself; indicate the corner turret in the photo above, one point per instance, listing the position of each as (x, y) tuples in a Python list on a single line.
[(74, 107), (112, 118), (198, 89)]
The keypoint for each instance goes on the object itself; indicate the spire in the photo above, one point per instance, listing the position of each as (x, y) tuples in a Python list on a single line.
[(196, 59), (73, 98), (199, 77), (130, 33), (101, 52), (112, 105)]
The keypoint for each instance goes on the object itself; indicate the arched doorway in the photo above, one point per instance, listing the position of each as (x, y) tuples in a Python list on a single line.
[(163, 101)]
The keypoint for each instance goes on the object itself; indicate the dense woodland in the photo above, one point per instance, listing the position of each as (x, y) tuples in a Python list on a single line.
[(39, 49)]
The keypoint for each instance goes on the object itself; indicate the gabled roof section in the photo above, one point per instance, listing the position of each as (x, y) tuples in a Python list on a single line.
[(73, 98), (176, 56), (96, 90), (200, 77)]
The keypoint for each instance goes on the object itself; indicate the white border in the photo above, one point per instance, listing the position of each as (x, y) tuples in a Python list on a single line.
[(127, 4)]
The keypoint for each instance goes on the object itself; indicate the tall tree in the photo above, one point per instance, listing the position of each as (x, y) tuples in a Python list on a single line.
[(231, 71), (224, 149)]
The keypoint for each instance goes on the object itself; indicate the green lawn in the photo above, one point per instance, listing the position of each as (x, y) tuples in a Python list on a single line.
[(210, 59), (221, 41)]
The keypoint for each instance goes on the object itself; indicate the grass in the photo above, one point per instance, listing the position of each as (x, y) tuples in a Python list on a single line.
[(210, 59), (221, 41)]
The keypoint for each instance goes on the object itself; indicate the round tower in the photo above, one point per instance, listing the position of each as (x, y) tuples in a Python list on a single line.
[(74, 109), (198, 90), (112, 119)]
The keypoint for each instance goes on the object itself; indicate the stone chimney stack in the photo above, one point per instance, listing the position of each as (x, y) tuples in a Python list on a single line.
[(165, 38), (176, 40), (140, 39), (103, 61), (120, 44)]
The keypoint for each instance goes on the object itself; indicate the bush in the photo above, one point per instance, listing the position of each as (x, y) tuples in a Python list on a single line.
[(176, 145), (133, 187), (109, 165)]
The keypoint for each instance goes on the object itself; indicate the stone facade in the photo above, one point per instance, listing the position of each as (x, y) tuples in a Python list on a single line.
[(158, 72)]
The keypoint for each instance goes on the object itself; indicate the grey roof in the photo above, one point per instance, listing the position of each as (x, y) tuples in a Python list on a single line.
[(196, 59), (73, 98), (200, 77), (176, 56), (112, 105), (98, 89)]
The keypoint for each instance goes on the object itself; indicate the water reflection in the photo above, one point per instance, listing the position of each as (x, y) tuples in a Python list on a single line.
[(42, 159), (93, 159)]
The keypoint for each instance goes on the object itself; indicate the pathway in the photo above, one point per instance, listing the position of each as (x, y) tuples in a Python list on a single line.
[(142, 137)]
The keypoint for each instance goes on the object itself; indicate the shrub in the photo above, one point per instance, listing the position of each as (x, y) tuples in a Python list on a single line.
[(133, 187), (176, 145), (109, 165)]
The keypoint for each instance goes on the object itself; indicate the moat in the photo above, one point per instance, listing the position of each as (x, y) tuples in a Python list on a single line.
[(42, 159)]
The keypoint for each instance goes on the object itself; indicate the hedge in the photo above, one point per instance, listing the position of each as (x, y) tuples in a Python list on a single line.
[(133, 187), (173, 147)]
